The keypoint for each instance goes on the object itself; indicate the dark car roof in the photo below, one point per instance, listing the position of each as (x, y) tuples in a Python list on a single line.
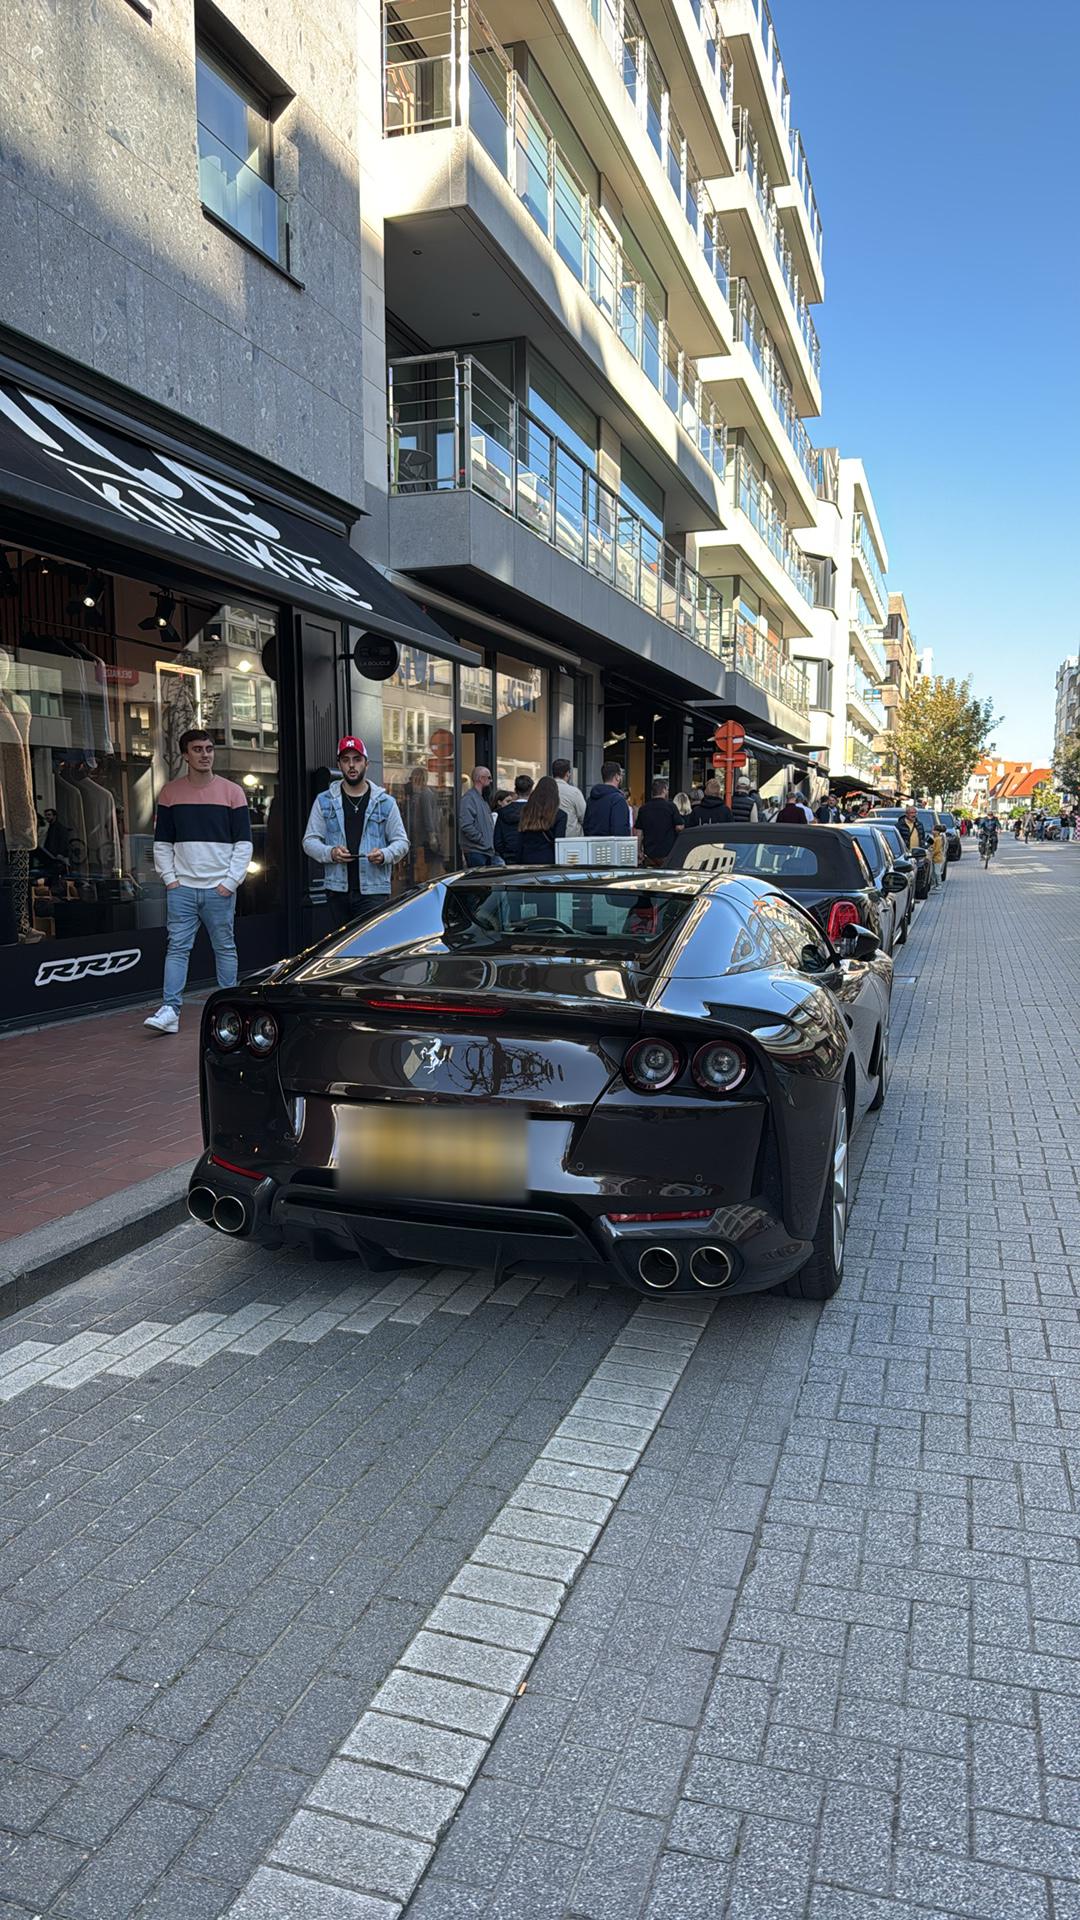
[(837, 861)]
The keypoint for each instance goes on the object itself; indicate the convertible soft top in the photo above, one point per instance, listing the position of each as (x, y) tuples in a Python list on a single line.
[(824, 858)]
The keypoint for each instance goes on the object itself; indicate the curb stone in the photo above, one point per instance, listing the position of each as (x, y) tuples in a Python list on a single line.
[(50, 1257)]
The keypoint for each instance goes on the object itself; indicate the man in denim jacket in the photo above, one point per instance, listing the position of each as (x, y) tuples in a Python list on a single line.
[(356, 832)]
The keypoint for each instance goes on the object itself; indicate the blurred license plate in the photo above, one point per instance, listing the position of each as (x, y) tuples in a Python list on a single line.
[(466, 1154)]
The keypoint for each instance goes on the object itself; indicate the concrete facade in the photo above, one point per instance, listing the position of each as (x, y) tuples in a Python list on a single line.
[(845, 654), (1066, 704), (111, 261)]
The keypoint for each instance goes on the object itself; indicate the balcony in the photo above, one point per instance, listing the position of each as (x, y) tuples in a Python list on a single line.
[(760, 660), (422, 96), (750, 161), (637, 68), (867, 638), (865, 554), (864, 703), (859, 757), (453, 427), (827, 474), (804, 186), (750, 496), (750, 328)]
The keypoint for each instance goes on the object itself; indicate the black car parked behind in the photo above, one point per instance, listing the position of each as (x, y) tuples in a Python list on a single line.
[(822, 868)]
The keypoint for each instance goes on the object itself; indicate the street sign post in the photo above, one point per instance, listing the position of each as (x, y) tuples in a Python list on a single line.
[(730, 743)]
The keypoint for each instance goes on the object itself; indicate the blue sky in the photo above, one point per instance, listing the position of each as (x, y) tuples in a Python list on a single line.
[(942, 140)]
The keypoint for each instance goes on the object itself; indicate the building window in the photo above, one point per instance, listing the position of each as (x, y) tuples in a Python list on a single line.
[(639, 490), (819, 675), (236, 156), (824, 572)]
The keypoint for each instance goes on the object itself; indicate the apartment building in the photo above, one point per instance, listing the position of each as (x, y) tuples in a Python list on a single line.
[(601, 252), (1066, 704), (844, 654), (902, 672)]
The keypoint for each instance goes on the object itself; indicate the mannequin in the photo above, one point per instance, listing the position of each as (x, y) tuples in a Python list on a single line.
[(18, 815)]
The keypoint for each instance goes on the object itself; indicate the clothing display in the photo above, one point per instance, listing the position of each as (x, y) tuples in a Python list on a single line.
[(18, 816)]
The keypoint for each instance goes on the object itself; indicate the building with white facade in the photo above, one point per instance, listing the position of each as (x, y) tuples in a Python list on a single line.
[(1066, 704), (602, 249), (844, 653)]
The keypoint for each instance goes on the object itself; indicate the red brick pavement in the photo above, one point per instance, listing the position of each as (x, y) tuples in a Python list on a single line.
[(91, 1106)]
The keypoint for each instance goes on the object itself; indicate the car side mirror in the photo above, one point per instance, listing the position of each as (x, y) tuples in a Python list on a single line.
[(895, 881), (860, 943)]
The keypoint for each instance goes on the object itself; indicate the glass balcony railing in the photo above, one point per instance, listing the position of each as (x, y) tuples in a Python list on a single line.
[(717, 51), (865, 697), (240, 198), (828, 474), (750, 495), (453, 426), (862, 544), (508, 124), (765, 663), (632, 55), (800, 171), (749, 160), (773, 60), (750, 328), (868, 628), (858, 753)]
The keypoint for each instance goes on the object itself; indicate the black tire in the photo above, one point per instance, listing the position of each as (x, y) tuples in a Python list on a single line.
[(905, 929), (823, 1273)]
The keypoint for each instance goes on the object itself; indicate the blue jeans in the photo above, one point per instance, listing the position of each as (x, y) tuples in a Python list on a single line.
[(480, 857), (186, 909)]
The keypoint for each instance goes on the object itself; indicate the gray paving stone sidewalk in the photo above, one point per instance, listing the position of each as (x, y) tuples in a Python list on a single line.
[(825, 1659), (822, 1661)]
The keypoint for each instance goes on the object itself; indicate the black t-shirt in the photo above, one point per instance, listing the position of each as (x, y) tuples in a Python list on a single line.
[(355, 812), (659, 822)]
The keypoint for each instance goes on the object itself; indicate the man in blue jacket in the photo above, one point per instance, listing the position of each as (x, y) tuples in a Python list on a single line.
[(356, 832), (608, 810)]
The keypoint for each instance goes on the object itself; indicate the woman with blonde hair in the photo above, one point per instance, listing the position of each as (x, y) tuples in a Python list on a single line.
[(681, 802)]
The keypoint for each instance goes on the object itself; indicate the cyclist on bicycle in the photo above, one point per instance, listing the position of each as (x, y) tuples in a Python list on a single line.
[(988, 835)]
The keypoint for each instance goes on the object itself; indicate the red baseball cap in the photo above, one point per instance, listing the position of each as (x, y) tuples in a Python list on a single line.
[(351, 744)]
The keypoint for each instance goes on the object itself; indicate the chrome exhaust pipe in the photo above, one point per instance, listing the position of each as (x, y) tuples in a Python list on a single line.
[(711, 1266), (658, 1268), (230, 1214), (200, 1204)]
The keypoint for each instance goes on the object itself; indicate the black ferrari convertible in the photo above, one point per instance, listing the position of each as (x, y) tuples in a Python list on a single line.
[(656, 1074)]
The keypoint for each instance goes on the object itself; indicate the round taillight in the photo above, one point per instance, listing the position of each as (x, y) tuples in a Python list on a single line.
[(651, 1065), (720, 1067), (226, 1029), (262, 1033)]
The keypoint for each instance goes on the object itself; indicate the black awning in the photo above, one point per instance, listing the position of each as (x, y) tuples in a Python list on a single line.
[(64, 466)]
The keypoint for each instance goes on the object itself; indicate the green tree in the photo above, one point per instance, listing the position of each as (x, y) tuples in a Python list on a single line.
[(942, 731), (1067, 764)]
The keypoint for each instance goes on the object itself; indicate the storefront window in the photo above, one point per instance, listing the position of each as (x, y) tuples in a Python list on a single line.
[(418, 761), (521, 730), (99, 676)]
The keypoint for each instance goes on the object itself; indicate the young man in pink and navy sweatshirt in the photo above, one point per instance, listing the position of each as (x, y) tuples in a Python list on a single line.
[(202, 850)]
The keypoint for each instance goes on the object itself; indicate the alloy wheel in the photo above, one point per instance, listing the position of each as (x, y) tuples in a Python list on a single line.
[(840, 1186)]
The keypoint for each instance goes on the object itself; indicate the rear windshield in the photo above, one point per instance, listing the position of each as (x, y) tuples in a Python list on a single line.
[(623, 919), (947, 819), (763, 859)]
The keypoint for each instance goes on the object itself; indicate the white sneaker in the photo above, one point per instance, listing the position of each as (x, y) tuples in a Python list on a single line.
[(165, 1020)]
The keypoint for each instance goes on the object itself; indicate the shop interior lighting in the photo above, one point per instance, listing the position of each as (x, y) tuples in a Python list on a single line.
[(251, 780), (160, 621), (244, 666)]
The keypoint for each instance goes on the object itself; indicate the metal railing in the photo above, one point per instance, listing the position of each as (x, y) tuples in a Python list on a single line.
[(773, 60), (633, 57), (749, 160), (444, 67), (750, 328), (506, 120), (800, 172), (454, 426), (858, 754), (862, 544), (240, 198), (866, 698), (828, 474), (868, 628), (764, 662), (717, 51), (749, 493)]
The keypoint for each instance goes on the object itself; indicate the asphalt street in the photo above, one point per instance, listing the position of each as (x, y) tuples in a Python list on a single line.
[(337, 1599)]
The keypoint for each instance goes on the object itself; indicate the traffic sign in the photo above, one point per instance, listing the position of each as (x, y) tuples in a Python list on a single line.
[(729, 759), (730, 737)]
